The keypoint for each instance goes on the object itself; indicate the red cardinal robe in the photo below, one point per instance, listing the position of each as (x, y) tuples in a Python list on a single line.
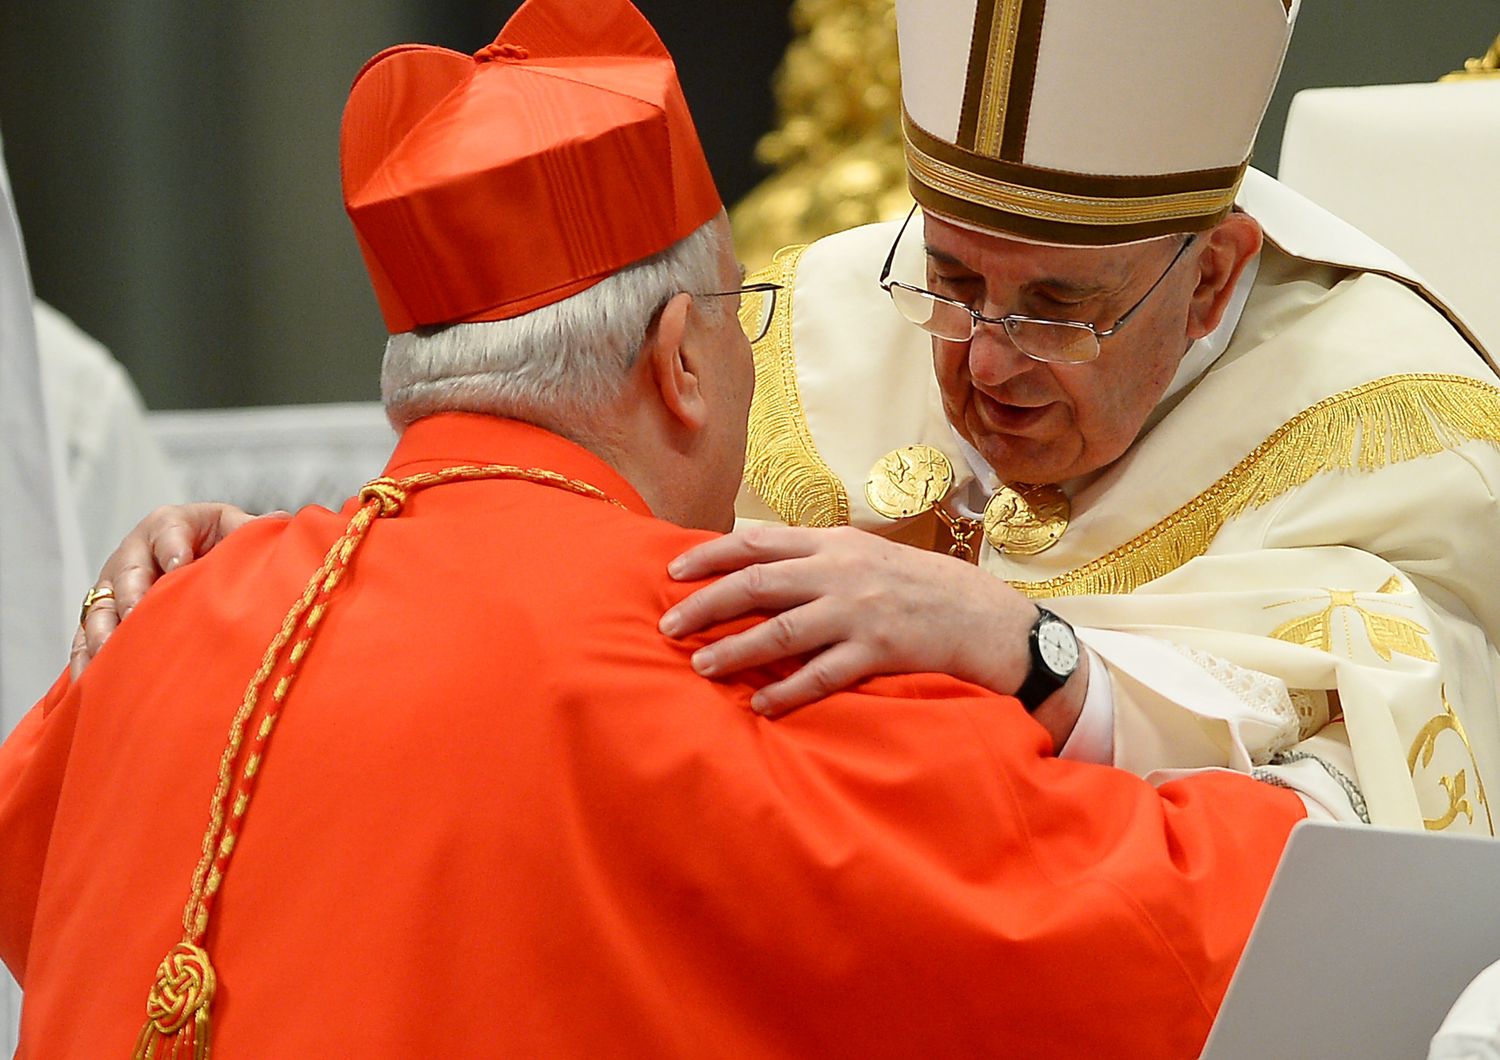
[(502, 817)]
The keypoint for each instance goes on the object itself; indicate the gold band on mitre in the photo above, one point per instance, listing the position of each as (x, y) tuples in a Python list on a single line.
[(1052, 206)]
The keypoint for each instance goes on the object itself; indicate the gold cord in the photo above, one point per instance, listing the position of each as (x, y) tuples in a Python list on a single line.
[(177, 1008)]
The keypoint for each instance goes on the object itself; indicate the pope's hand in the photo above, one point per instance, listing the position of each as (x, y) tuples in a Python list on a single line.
[(858, 604), (168, 538)]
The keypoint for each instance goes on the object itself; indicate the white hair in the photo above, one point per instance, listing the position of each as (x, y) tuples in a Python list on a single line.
[(556, 364)]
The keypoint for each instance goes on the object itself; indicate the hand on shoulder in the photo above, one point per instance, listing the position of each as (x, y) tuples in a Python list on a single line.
[(170, 537), (857, 604)]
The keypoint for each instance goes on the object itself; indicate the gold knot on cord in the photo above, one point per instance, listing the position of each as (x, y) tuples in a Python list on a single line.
[(184, 984), (390, 493), (177, 1007)]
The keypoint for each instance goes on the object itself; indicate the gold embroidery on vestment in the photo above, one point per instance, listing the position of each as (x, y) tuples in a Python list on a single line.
[(1387, 634), (1455, 786), (782, 463), (1387, 421)]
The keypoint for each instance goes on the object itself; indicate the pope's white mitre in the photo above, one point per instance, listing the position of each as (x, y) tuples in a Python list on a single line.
[(1086, 121)]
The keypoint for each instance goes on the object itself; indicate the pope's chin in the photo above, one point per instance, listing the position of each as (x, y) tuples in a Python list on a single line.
[(1046, 452)]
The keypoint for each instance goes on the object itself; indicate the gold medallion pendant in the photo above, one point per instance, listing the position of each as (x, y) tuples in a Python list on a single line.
[(1024, 520), (908, 481)]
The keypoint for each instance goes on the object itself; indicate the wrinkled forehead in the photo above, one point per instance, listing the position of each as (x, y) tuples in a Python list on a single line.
[(1008, 259)]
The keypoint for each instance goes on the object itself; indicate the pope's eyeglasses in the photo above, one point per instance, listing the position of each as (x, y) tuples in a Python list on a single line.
[(757, 307), (1057, 341)]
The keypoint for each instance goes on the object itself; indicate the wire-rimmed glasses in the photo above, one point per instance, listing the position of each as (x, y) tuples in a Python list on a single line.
[(757, 307), (1041, 339)]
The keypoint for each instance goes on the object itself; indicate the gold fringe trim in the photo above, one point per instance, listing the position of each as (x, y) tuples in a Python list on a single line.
[(782, 463), (1388, 421)]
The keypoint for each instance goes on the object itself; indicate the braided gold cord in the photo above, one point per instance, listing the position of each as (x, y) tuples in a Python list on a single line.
[(216, 851), (194, 932), (178, 1005), (473, 472)]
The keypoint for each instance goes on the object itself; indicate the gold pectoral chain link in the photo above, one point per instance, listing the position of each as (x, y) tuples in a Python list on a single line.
[(177, 1009), (963, 529)]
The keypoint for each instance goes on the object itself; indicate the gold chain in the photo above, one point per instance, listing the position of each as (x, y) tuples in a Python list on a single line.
[(962, 529)]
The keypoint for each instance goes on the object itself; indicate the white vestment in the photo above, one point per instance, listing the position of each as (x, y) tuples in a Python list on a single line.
[(1291, 571), (115, 472)]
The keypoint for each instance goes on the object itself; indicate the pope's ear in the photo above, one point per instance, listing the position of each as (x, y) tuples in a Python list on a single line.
[(672, 373), (1227, 248)]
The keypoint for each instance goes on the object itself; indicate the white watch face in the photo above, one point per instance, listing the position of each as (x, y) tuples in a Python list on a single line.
[(1058, 647)]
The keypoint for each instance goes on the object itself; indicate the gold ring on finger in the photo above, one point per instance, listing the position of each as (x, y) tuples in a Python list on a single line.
[(94, 596)]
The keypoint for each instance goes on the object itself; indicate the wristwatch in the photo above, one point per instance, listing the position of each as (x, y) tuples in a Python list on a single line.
[(1054, 657)]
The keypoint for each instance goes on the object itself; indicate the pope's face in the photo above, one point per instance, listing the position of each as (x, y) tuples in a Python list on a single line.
[(1041, 422)]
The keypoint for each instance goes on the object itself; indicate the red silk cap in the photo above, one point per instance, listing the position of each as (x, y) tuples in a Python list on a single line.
[(483, 187)]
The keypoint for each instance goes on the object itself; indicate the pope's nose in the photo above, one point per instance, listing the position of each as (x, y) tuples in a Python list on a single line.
[(994, 359)]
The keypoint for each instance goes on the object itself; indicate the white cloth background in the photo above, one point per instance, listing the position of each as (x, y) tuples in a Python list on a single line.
[(1414, 167), (277, 457)]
